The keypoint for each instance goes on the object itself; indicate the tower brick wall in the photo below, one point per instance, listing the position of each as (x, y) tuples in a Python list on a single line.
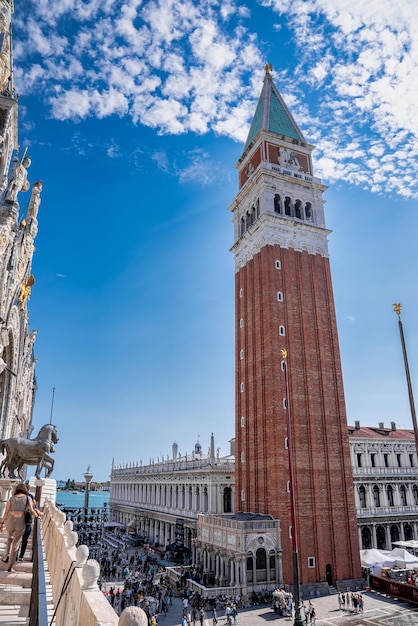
[(325, 513)]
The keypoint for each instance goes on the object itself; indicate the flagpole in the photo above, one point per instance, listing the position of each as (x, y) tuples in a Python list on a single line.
[(296, 585), (397, 309), (52, 405)]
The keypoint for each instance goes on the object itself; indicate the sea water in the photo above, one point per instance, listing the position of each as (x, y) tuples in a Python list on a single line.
[(71, 499)]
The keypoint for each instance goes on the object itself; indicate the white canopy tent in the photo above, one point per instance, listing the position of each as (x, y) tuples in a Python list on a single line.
[(375, 557), (403, 558), (374, 560)]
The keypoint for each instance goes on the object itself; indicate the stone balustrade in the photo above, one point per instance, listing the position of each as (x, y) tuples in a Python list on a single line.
[(76, 596)]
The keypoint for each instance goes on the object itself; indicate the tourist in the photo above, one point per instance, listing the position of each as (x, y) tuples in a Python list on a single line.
[(312, 617), (28, 528), (14, 516)]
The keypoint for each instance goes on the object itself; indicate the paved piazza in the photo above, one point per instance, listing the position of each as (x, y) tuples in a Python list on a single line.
[(379, 610)]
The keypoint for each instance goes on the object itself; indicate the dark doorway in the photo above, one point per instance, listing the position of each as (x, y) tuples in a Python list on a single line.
[(328, 572)]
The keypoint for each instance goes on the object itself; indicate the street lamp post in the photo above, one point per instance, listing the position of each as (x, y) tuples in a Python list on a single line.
[(296, 584), (87, 477)]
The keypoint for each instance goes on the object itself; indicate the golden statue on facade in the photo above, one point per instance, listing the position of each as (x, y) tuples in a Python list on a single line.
[(25, 288)]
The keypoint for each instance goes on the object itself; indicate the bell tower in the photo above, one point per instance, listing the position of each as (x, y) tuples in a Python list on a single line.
[(284, 301)]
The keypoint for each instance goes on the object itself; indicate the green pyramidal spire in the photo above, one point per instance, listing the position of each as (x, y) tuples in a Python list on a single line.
[(272, 114)]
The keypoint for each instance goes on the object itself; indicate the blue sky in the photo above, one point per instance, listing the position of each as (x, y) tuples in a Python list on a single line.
[(135, 114)]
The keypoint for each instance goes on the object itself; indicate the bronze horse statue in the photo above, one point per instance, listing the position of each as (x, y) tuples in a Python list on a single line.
[(20, 451)]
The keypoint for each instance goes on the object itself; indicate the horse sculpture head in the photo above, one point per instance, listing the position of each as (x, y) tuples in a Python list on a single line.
[(48, 433)]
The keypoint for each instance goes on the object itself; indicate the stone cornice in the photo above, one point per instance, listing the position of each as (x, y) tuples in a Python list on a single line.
[(283, 232)]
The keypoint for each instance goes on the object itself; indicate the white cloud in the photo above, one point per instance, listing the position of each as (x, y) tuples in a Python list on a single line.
[(195, 66)]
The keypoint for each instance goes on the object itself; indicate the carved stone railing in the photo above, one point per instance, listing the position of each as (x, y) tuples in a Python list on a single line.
[(77, 598)]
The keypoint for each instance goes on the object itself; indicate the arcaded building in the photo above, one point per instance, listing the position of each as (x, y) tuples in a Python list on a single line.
[(385, 471), (160, 501)]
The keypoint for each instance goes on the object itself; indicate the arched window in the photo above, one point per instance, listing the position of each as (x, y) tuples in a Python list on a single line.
[(227, 500), (190, 498), (308, 211), (366, 538), (381, 538), (287, 206), (279, 296), (282, 331), (242, 227), (376, 496), (362, 496), (407, 531), (394, 533), (277, 203), (258, 208), (298, 212), (260, 559), (415, 493), (389, 492), (248, 220), (241, 354), (402, 492), (197, 498), (205, 499)]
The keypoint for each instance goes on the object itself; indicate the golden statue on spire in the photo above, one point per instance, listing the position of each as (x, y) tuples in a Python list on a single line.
[(268, 68), (397, 307)]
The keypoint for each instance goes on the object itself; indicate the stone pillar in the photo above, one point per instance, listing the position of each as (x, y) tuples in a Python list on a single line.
[(244, 573), (6, 489), (387, 534), (237, 569)]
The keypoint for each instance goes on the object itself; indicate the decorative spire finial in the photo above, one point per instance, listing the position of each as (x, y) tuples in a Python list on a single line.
[(268, 68)]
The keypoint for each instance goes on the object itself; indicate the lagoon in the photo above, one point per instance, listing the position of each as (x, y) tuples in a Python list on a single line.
[(71, 499)]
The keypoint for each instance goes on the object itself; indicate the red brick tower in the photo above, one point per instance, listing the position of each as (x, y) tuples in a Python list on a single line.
[(284, 300)]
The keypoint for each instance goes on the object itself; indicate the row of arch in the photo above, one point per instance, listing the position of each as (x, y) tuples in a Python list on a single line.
[(383, 537), (185, 497), (388, 495), (293, 208), (250, 217), (283, 206), (256, 568)]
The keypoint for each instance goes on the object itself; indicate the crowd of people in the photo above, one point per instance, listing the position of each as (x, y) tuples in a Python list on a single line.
[(351, 602)]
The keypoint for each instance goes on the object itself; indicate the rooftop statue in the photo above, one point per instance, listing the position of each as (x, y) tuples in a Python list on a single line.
[(18, 180), (20, 451)]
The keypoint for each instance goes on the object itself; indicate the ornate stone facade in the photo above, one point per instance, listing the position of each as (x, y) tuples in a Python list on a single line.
[(385, 474), (153, 500), (18, 230)]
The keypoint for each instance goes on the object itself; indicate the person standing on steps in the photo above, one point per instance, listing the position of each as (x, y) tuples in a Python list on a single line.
[(14, 516), (28, 529)]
